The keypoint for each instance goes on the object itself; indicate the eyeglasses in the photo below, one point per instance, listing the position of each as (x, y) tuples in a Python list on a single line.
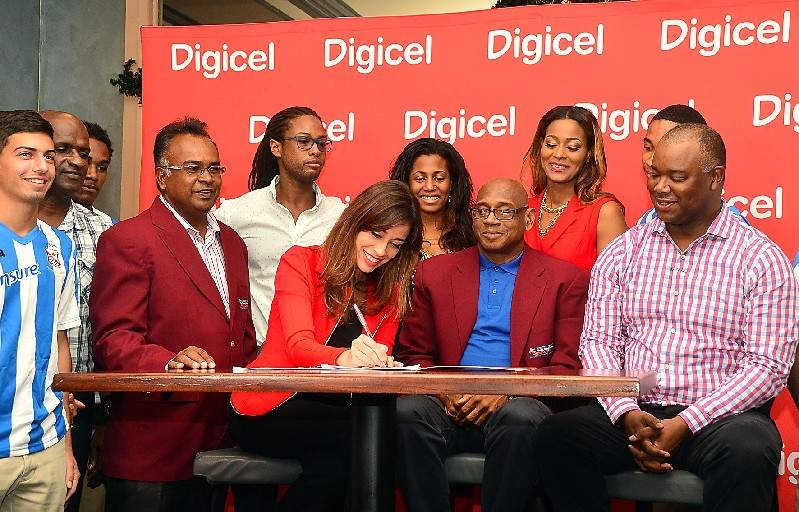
[(305, 142), (195, 169), (482, 212)]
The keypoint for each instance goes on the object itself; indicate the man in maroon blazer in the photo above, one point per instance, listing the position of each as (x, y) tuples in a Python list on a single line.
[(498, 304), (171, 290)]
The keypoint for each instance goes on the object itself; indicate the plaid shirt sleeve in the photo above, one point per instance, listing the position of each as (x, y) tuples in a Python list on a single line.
[(604, 337), (770, 342)]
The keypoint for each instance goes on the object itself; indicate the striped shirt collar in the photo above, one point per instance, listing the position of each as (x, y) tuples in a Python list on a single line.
[(213, 225), (720, 227)]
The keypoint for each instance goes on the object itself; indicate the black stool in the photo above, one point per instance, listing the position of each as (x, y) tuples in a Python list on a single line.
[(232, 466)]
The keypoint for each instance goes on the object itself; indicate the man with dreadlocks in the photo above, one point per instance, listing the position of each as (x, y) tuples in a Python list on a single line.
[(285, 206)]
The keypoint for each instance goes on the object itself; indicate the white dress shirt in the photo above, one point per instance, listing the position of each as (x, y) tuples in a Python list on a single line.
[(268, 229), (210, 249)]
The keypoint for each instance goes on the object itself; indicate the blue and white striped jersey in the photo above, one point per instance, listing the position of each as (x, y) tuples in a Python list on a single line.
[(37, 299)]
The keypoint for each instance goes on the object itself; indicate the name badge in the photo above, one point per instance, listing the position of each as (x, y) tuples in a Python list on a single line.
[(244, 303)]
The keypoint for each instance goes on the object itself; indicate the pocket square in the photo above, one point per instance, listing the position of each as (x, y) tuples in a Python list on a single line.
[(543, 350)]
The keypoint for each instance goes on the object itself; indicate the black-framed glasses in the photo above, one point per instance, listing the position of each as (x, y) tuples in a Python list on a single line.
[(306, 142), (196, 168), (482, 213)]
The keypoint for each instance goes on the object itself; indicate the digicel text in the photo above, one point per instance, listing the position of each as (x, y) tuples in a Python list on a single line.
[(214, 62), (337, 129), (365, 57), (711, 38), (621, 122), (459, 126), (778, 105), (532, 47)]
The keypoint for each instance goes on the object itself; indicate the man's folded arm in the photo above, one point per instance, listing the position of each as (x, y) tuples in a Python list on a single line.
[(770, 342)]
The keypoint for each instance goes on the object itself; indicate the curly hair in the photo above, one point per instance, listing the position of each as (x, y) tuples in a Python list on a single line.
[(457, 231)]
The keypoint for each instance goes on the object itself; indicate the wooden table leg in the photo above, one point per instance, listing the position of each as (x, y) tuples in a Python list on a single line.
[(373, 421)]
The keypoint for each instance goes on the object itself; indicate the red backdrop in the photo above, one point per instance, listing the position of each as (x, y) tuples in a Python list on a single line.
[(483, 79)]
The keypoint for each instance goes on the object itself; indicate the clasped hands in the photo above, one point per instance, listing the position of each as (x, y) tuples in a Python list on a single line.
[(366, 352), (474, 410), (653, 442)]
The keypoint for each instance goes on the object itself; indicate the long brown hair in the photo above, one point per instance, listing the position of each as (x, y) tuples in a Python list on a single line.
[(588, 186), (381, 206)]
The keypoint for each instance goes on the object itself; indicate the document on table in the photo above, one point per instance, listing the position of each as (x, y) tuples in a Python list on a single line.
[(456, 368), (327, 367), (412, 368)]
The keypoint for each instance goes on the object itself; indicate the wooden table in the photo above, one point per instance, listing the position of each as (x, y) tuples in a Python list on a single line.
[(373, 399)]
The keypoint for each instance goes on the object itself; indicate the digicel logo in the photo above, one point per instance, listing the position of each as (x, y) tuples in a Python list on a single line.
[(621, 122), (365, 57), (711, 38), (460, 126), (337, 129), (214, 62), (777, 105), (530, 48)]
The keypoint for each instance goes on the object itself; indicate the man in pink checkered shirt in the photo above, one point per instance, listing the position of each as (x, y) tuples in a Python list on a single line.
[(708, 302)]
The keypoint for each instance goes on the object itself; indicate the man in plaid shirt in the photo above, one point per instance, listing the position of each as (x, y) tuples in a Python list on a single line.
[(708, 302), (84, 227)]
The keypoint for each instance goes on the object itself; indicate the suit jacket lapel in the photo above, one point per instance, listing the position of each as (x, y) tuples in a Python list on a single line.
[(567, 218), (228, 246), (465, 287), (530, 287), (177, 242)]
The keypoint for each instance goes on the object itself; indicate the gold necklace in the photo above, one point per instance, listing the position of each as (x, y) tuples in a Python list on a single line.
[(558, 210)]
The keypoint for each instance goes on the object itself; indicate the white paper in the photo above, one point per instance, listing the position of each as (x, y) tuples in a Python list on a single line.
[(412, 368)]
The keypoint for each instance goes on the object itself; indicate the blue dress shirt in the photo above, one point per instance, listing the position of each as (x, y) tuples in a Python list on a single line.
[(489, 343)]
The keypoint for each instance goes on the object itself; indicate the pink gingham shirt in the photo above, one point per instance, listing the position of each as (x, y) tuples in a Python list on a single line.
[(718, 322)]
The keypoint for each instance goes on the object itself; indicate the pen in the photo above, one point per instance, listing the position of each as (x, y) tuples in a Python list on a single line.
[(362, 320)]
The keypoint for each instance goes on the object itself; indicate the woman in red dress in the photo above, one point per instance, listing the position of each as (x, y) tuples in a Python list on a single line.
[(574, 218)]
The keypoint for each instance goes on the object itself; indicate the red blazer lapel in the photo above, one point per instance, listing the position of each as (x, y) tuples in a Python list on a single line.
[(567, 218), (229, 245), (530, 287), (177, 242), (465, 281)]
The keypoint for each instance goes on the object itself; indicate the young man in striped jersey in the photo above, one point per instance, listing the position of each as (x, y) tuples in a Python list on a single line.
[(37, 306)]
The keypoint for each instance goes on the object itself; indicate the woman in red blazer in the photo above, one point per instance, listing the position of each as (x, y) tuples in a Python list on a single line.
[(367, 259), (574, 218)]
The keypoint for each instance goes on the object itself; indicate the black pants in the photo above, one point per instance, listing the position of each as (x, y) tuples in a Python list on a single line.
[(134, 496), (82, 425), (426, 436), (318, 432), (737, 457)]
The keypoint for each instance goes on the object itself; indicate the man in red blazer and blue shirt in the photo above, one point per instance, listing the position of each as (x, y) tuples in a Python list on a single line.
[(498, 304), (171, 291)]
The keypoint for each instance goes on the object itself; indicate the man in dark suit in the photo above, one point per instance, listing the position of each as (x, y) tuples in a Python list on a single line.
[(498, 304), (170, 290)]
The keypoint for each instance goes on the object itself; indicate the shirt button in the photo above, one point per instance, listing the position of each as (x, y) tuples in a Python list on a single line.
[(232, 343), (673, 330), (493, 291), (676, 293)]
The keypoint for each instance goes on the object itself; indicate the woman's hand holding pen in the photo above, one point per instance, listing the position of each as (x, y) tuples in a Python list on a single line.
[(366, 352)]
